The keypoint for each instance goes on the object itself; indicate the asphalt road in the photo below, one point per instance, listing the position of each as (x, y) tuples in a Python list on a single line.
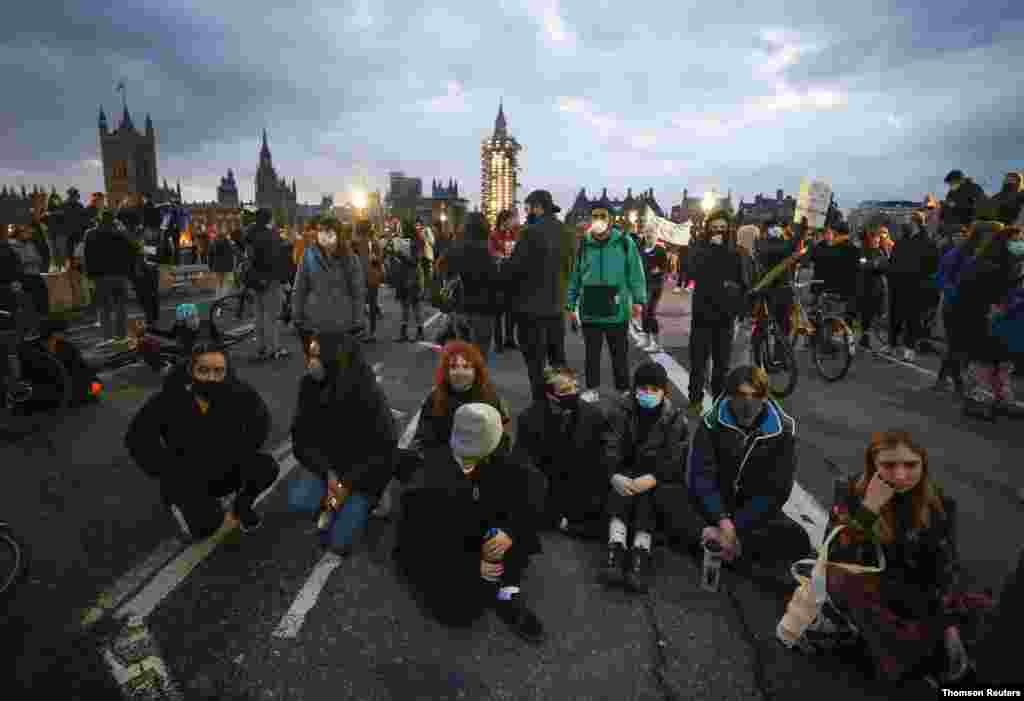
[(90, 516)]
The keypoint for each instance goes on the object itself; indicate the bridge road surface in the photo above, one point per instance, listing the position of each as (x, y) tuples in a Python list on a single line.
[(92, 518)]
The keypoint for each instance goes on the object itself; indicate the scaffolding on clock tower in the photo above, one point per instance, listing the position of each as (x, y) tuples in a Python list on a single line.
[(499, 170)]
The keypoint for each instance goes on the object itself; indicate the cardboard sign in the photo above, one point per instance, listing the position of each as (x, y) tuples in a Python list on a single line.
[(675, 234), (813, 202)]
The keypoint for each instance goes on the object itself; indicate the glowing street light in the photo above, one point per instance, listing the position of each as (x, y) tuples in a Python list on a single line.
[(359, 199), (709, 201)]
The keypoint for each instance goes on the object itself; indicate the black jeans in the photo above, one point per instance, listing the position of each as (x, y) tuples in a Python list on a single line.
[(197, 506), (638, 512), (952, 362), (539, 338), (650, 320), (906, 305), (868, 308), (504, 329), (146, 282), (712, 342), (593, 339), (780, 306)]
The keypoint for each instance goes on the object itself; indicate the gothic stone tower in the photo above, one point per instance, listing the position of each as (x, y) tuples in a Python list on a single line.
[(129, 158), (273, 192), (227, 191), (499, 166)]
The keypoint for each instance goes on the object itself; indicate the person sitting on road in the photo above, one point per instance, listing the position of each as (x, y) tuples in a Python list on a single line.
[(561, 437), (644, 447), (345, 435), (461, 378), (741, 472), (467, 530), (905, 614), (202, 440)]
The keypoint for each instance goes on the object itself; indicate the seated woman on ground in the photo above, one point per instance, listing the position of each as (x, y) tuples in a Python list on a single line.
[(344, 434), (461, 378), (740, 474), (909, 616), (468, 529), (644, 447)]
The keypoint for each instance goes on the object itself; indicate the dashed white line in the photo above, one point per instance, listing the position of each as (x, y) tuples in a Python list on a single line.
[(307, 597)]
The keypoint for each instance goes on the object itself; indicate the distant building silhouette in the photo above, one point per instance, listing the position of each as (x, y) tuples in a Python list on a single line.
[(273, 192), (129, 158), (227, 191), (765, 209), (618, 208)]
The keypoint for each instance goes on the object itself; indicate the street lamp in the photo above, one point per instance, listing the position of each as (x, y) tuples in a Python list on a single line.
[(708, 202)]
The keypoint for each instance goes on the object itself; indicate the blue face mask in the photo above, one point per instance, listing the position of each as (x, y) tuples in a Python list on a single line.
[(532, 219), (1016, 248), (648, 400)]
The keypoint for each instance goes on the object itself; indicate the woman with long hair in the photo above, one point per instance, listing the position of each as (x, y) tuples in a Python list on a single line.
[(909, 616), (461, 378)]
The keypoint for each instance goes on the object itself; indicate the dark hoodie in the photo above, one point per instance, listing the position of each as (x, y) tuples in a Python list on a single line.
[(1005, 205), (961, 205), (344, 423), (472, 261)]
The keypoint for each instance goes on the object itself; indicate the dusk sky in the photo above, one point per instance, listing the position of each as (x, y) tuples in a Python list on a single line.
[(882, 98)]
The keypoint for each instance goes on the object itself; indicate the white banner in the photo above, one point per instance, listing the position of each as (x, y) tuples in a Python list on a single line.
[(669, 232), (813, 202)]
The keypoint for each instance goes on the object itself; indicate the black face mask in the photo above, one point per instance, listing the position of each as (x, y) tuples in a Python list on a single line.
[(210, 391), (566, 404)]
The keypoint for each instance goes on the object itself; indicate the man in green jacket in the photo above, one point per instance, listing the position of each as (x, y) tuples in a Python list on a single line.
[(606, 287)]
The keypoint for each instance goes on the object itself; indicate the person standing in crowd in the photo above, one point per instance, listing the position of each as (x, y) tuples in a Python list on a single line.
[(406, 274), (720, 292), (898, 518), (222, 262), (769, 252), (607, 288), (425, 237), (502, 242), (468, 529), (561, 436), (269, 270), (471, 260), (110, 261), (11, 274), (644, 447), (961, 204), (330, 290), (351, 460), (948, 278), (368, 250), (202, 439), (740, 473), (73, 222), (911, 271), (1006, 205), (31, 254), (461, 378), (655, 260), (534, 273), (870, 285)]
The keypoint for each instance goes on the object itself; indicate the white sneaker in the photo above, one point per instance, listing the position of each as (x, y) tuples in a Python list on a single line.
[(909, 355), (590, 396)]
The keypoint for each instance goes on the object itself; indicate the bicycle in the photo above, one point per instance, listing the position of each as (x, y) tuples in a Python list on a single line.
[(771, 350), (13, 559), (831, 338), (44, 394)]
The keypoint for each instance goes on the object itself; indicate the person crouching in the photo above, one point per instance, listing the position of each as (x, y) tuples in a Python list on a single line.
[(644, 447), (467, 530)]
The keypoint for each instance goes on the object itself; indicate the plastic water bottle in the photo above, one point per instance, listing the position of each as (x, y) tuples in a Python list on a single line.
[(712, 571)]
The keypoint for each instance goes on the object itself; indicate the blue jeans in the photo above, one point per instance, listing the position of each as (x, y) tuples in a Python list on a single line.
[(306, 494)]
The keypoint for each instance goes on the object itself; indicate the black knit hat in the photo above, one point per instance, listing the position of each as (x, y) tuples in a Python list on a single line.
[(542, 198), (650, 374)]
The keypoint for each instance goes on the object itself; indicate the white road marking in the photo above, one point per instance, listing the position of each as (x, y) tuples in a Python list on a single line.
[(307, 597), (801, 506), (130, 582)]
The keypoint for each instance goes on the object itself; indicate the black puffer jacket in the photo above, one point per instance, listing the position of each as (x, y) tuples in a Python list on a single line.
[(171, 438), (915, 256), (434, 431), (871, 279), (536, 269), (345, 423), (721, 282), (108, 251), (472, 261), (961, 206), (662, 452)]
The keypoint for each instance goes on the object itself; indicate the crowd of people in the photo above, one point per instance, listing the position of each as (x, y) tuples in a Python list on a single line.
[(479, 485)]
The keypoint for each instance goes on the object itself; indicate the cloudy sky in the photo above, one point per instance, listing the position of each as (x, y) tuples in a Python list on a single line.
[(881, 97)]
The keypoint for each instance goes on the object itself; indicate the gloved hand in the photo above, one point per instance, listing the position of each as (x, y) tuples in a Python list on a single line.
[(623, 485)]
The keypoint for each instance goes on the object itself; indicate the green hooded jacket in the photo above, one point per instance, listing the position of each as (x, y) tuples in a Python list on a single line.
[(608, 278)]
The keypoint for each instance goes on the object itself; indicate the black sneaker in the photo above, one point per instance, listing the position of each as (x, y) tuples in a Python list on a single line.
[(615, 564), (520, 619), (638, 577)]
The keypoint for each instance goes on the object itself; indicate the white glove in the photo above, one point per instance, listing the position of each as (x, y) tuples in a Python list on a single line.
[(623, 485)]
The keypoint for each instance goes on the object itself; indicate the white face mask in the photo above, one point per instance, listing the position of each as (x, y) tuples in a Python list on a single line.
[(327, 239), (599, 227), (717, 239)]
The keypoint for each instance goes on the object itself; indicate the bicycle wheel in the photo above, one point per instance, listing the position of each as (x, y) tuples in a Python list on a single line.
[(832, 348), (13, 561), (773, 353), (233, 317)]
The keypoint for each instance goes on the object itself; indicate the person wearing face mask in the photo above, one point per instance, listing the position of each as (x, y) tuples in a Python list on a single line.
[(467, 530), (405, 270), (910, 616), (644, 448), (775, 250), (461, 378), (655, 260), (722, 282), (740, 473), (202, 438), (344, 435), (561, 437), (607, 288), (911, 273), (534, 274), (330, 288), (472, 261)]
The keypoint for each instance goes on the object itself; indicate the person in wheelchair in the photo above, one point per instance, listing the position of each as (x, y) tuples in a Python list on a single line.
[(202, 439), (345, 436)]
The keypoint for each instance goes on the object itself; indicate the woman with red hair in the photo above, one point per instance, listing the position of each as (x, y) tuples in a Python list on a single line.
[(909, 616), (461, 378)]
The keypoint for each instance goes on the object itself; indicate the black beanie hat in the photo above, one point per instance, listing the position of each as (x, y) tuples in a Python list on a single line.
[(650, 374)]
